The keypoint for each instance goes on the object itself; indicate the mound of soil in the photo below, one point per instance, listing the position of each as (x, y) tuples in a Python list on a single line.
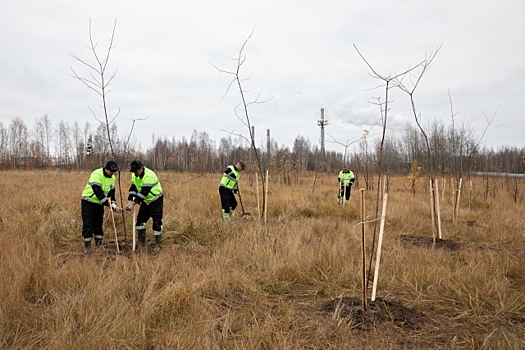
[(428, 242), (349, 310)]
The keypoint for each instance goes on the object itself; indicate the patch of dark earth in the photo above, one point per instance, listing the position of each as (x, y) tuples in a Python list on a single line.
[(349, 310), (428, 242), (451, 245)]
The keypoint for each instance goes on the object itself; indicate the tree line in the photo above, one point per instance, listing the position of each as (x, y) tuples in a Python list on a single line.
[(455, 150)]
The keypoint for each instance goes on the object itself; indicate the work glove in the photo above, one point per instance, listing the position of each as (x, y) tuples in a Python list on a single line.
[(129, 207), (115, 207), (236, 191)]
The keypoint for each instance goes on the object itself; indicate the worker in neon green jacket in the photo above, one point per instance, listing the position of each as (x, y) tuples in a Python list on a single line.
[(100, 187), (346, 179), (146, 191), (228, 188)]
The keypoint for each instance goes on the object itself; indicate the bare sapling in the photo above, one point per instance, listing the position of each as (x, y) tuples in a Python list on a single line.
[(100, 81), (464, 150), (410, 89), (242, 109), (388, 82)]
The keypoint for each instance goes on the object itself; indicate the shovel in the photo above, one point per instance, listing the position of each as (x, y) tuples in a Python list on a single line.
[(240, 201)]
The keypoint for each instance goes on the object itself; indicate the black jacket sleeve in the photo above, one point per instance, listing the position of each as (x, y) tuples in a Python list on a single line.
[(100, 194), (228, 171), (144, 191), (111, 195), (132, 192)]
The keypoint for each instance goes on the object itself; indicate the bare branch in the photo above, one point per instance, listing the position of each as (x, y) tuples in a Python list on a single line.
[(236, 134)]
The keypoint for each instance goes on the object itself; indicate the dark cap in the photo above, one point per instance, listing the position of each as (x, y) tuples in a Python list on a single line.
[(242, 164), (135, 165), (111, 165)]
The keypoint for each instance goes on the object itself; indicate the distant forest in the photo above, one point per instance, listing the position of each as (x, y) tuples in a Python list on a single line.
[(71, 147)]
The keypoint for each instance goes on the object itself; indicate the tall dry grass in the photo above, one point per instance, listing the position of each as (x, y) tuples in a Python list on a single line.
[(250, 285)]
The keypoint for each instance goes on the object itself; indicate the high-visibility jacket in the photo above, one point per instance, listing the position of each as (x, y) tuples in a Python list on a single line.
[(145, 188), (346, 178), (230, 178), (100, 186)]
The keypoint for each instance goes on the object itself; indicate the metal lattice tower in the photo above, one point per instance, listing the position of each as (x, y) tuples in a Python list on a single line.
[(322, 123)]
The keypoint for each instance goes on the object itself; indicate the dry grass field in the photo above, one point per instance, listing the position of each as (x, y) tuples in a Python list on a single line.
[(286, 284)]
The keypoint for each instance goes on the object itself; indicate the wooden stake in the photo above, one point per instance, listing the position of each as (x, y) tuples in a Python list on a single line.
[(443, 189), (257, 191), (432, 201), (266, 202), (363, 260), (379, 243), (457, 201), (438, 210)]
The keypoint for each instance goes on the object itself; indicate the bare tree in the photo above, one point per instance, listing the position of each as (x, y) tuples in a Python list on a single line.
[(241, 110), (388, 82), (410, 88), (18, 141), (100, 82)]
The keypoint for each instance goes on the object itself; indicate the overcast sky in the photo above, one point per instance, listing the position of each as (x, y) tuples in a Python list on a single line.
[(301, 55)]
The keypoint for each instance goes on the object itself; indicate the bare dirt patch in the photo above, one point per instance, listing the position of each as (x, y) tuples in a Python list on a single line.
[(349, 310), (428, 242)]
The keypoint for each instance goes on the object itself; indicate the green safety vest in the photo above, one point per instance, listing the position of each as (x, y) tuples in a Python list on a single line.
[(98, 178), (228, 181), (346, 177), (149, 179)]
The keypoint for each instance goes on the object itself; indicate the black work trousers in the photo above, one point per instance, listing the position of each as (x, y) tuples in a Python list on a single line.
[(92, 219), (228, 201), (154, 211), (344, 188)]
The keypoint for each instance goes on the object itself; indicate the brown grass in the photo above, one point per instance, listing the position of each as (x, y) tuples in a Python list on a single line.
[(246, 285)]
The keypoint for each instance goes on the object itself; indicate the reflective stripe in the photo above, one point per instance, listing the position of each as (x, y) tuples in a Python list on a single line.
[(97, 178), (227, 179), (346, 177), (148, 180)]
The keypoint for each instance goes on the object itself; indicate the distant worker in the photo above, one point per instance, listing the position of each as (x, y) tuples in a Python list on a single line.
[(346, 179), (228, 189), (100, 187), (146, 191)]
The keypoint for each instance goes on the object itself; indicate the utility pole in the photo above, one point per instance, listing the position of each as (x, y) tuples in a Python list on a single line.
[(322, 123)]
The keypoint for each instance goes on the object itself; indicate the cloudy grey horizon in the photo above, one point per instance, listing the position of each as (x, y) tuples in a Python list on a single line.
[(301, 57)]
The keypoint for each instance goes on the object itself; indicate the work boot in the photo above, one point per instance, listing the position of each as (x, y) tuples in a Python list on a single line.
[(157, 243), (225, 216), (87, 247), (142, 237), (98, 242)]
